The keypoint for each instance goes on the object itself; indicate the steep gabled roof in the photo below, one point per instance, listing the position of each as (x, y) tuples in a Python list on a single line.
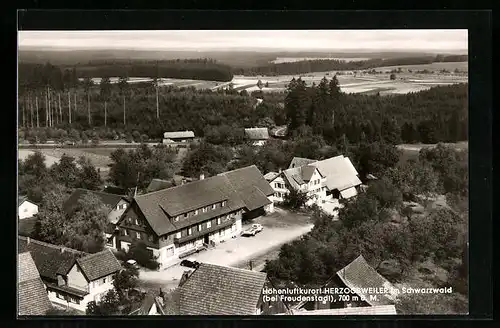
[(21, 199), (257, 133), (50, 260), (32, 297), (245, 177), (110, 200), (299, 161), (307, 172), (219, 290), (359, 274), (98, 265), (178, 134)]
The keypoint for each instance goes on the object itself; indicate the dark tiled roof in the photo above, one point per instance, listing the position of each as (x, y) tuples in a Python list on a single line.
[(299, 161), (257, 133), (307, 172), (70, 290), (32, 297), (26, 226), (245, 187), (48, 258), (219, 290), (242, 179), (110, 200), (158, 184), (359, 274), (98, 265)]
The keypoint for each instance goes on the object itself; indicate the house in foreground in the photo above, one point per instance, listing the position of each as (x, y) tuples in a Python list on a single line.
[(31, 294), (258, 136), (72, 278), (175, 222), (26, 208), (369, 287), (362, 310), (178, 136), (115, 204), (220, 290), (326, 182)]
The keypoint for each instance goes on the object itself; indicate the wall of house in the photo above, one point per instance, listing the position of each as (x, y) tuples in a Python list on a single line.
[(27, 210), (118, 211), (76, 279), (73, 302), (316, 189), (99, 287), (280, 188)]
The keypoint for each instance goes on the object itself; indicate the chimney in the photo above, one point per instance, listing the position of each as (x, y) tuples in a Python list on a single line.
[(202, 176), (28, 240)]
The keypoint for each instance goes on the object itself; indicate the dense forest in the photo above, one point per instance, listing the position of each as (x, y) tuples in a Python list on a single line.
[(323, 65), (195, 69), (54, 98)]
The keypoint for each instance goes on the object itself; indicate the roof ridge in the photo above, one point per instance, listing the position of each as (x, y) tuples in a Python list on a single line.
[(163, 190), (241, 168), (94, 254), (42, 243)]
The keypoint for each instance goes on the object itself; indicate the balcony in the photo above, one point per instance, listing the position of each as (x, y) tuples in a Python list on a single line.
[(196, 234)]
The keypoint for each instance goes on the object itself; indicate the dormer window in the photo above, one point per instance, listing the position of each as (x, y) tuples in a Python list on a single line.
[(213, 206), (186, 215), (176, 218), (195, 212), (218, 220)]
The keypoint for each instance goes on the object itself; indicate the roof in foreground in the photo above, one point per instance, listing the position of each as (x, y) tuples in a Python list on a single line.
[(178, 134), (359, 274), (49, 259), (363, 310), (32, 297), (220, 290)]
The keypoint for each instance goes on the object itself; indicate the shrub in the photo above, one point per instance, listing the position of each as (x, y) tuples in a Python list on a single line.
[(144, 257)]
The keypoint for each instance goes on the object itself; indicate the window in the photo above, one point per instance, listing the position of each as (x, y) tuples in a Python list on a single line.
[(125, 232), (178, 235), (176, 218), (233, 227), (186, 215), (136, 222), (218, 220), (190, 232), (224, 203), (60, 296), (199, 227), (209, 224), (213, 206), (204, 210), (138, 235), (196, 212), (25, 210), (130, 220), (103, 280), (221, 232)]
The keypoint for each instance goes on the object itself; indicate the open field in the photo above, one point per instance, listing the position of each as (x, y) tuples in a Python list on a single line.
[(361, 83), (280, 60), (411, 151)]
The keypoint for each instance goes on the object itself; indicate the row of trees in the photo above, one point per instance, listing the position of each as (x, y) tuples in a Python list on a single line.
[(322, 65), (435, 115)]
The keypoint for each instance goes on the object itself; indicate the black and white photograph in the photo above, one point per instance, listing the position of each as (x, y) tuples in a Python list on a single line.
[(242, 172)]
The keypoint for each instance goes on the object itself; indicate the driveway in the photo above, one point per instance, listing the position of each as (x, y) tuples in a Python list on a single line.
[(280, 228)]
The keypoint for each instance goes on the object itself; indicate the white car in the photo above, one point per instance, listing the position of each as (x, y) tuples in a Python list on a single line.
[(257, 227)]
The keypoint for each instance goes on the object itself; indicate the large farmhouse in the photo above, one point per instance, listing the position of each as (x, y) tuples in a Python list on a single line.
[(176, 221), (115, 204), (72, 278), (325, 182)]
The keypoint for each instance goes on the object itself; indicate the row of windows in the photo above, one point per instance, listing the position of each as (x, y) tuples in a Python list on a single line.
[(199, 227), (198, 211), (280, 194), (99, 282), (279, 185), (67, 298), (317, 190), (314, 182), (121, 206)]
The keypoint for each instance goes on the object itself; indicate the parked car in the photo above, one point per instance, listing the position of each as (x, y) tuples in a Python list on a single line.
[(190, 263), (257, 227), (249, 232), (69, 143), (132, 263)]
